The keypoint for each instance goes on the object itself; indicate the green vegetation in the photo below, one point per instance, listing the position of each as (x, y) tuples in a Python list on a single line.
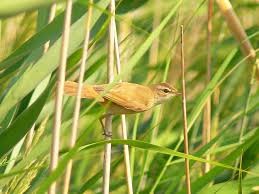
[(28, 78)]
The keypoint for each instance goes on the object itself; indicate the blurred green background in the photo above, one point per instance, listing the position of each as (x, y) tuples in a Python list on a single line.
[(149, 37)]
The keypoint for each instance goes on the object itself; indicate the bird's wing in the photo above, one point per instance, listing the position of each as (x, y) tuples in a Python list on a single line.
[(130, 96), (70, 88)]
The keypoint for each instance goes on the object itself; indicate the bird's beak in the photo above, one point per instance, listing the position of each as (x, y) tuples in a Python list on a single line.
[(178, 93)]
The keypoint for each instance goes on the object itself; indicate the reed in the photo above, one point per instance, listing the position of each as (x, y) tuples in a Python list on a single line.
[(75, 121), (25, 102), (54, 154), (206, 133), (123, 119), (108, 119), (186, 145)]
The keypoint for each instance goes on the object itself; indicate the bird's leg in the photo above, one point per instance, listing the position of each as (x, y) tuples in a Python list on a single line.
[(105, 133)]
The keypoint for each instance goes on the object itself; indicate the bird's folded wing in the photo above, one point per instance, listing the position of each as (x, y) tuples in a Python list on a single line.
[(131, 96), (88, 91)]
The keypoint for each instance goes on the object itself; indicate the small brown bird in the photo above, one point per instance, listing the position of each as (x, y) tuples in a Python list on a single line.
[(123, 97)]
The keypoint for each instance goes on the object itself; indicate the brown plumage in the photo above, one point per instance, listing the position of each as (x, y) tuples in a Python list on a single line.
[(125, 98)]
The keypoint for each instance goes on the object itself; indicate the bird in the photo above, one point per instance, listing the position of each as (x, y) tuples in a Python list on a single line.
[(124, 97)]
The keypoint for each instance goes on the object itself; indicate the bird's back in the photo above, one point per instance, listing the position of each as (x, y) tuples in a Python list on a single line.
[(130, 96)]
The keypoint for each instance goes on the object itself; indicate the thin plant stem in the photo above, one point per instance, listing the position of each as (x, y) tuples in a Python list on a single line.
[(75, 121), (133, 149), (244, 120), (108, 119), (46, 48), (123, 119), (180, 142), (162, 172), (54, 155), (240, 175), (206, 133), (246, 107), (186, 150)]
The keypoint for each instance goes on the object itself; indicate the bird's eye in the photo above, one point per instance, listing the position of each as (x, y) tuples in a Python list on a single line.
[(166, 91)]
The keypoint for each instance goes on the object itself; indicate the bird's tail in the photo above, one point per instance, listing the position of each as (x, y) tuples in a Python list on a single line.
[(70, 89)]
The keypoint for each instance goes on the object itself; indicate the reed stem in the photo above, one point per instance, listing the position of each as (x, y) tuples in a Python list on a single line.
[(206, 133), (123, 119), (186, 149), (75, 121), (108, 119), (59, 94)]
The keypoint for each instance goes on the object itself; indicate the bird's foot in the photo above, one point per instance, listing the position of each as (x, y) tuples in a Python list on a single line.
[(107, 134)]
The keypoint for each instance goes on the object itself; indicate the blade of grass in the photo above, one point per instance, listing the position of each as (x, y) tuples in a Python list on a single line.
[(146, 146), (244, 119), (44, 83), (21, 125), (50, 32), (8, 8), (134, 137), (240, 178), (46, 64), (201, 182)]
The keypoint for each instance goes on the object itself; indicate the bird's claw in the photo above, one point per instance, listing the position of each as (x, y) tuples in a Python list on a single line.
[(107, 134)]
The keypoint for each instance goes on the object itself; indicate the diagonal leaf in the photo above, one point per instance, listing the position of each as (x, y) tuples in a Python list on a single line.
[(17, 130), (50, 32), (201, 182), (46, 64), (139, 144), (9, 8)]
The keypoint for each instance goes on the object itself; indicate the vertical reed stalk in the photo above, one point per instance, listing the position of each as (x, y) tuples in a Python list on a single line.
[(206, 133), (59, 94), (46, 47), (75, 121), (108, 119), (186, 150), (134, 137), (123, 119)]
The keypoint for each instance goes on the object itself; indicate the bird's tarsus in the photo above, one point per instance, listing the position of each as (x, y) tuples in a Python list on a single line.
[(105, 133)]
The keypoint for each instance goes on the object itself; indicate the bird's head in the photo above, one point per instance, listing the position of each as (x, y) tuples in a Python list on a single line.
[(164, 92)]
